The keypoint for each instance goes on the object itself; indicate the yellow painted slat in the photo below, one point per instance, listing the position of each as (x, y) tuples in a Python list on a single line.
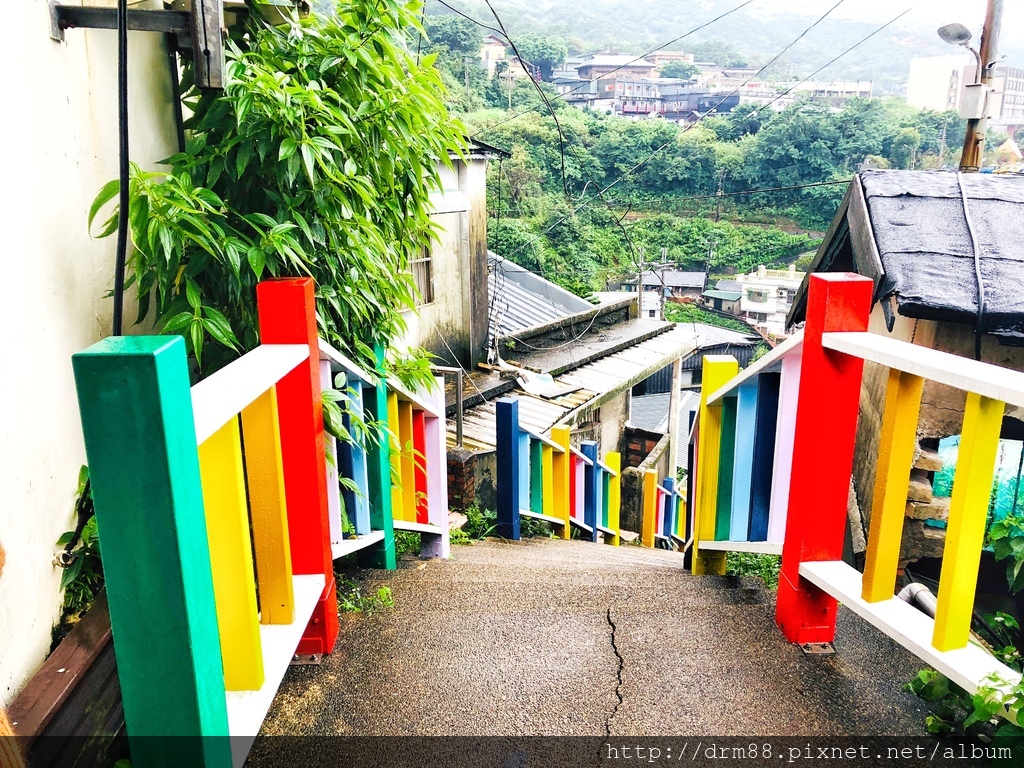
[(268, 510), (681, 518), (716, 373), (897, 443), (650, 521), (561, 465), (407, 461), (614, 462), (968, 511), (397, 500), (234, 583), (547, 486)]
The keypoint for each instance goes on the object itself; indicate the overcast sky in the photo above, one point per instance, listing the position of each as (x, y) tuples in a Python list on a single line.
[(925, 15)]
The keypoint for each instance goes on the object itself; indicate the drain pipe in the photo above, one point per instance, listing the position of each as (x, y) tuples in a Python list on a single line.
[(919, 596)]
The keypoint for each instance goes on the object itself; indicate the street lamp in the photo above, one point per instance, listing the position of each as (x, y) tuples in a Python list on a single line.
[(958, 34)]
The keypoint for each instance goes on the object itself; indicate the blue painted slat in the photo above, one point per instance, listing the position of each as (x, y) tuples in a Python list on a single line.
[(590, 483), (360, 473), (508, 469), (764, 453), (743, 467), (523, 444), (669, 518)]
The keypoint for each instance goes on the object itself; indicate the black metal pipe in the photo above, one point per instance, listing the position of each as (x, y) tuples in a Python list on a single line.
[(123, 168)]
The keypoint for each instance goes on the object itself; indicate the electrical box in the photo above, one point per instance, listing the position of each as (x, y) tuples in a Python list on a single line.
[(974, 102)]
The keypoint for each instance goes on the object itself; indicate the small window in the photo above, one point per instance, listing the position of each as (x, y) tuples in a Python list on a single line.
[(423, 273), (652, 313)]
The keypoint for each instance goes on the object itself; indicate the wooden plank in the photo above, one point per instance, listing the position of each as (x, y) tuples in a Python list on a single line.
[(437, 477), (44, 695), (207, 44), (785, 433), (419, 458), (540, 438), (753, 547), (133, 395), (355, 544), (407, 460), (716, 371), (896, 446), (743, 466), (338, 462), (726, 465), (649, 524), (991, 381), (234, 580), (246, 710), (770, 360), (561, 467), (968, 666), (219, 398), (428, 528), (340, 362), (265, 474), (968, 512), (536, 496), (287, 315), (591, 483), (826, 428), (378, 477), (765, 428), (507, 483), (418, 401), (581, 525), (395, 452), (547, 481), (538, 516)]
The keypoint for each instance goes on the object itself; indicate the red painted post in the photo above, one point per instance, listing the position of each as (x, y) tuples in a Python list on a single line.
[(419, 445), (826, 432), (287, 313)]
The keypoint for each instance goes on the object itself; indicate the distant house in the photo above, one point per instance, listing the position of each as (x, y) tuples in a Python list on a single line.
[(908, 231), (657, 287), (491, 52), (767, 297), (723, 301), (601, 64)]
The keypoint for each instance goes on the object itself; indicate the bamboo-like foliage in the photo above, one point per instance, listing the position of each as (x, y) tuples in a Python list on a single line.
[(318, 159)]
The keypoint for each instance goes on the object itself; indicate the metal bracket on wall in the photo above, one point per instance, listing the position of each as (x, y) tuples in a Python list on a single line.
[(201, 29)]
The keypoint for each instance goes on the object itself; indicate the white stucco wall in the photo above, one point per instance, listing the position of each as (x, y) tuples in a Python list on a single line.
[(61, 146)]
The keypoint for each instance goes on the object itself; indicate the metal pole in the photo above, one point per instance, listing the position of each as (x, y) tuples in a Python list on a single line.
[(458, 373), (974, 141)]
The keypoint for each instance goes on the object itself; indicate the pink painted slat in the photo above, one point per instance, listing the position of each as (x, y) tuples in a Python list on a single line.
[(785, 430), (331, 449), (437, 476)]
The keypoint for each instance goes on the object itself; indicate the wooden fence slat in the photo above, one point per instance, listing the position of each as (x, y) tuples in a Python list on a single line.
[(136, 409)]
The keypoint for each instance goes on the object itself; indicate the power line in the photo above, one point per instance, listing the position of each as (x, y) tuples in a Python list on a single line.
[(829, 64), (694, 124)]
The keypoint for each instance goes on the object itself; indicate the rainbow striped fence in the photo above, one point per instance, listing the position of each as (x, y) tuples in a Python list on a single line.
[(219, 523), (664, 513), (547, 479), (775, 448)]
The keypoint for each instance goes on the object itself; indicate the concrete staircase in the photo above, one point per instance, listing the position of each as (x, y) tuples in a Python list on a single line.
[(565, 638)]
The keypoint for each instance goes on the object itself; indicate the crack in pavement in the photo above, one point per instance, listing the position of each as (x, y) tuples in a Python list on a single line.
[(618, 684)]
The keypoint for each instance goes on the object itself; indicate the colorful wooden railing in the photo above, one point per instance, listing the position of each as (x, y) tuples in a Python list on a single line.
[(208, 609), (795, 412), (549, 480), (664, 513)]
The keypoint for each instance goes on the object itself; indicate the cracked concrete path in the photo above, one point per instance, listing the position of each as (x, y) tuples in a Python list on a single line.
[(548, 637)]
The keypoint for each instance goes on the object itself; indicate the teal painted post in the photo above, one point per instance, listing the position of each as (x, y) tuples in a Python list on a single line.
[(509, 484), (536, 476), (140, 441), (378, 468)]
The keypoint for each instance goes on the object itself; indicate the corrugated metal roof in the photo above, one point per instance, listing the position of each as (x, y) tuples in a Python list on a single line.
[(609, 375), (521, 299), (672, 278), (724, 295)]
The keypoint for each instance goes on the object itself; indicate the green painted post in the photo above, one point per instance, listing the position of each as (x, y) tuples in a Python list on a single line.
[(140, 440), (537, 476), (378, 461), (723, 514)]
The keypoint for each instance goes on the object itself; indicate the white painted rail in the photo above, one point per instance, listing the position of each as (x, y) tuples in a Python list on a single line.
[(759, 366), (753, 547), (336, 358), (960, 372), (218, 399), (967, 667), (546, 441)]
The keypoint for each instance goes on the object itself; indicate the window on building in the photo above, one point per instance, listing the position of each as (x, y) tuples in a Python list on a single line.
[(758, 295), (423, 273), (652, 313)]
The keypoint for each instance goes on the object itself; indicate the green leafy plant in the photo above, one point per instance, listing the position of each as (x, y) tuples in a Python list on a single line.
[(317, 158), (1006, 537), (352, 600)]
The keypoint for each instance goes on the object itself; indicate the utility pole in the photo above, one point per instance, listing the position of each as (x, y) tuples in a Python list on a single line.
[(974, 141)]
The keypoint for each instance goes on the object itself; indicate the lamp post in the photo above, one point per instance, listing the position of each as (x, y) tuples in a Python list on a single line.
[(985, 56)]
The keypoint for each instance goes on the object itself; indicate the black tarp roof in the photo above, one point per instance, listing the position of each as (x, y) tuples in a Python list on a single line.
[(916, 225)]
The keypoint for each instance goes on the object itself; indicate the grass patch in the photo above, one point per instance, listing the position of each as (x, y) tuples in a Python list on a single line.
[(351, 598), (765, 567)]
